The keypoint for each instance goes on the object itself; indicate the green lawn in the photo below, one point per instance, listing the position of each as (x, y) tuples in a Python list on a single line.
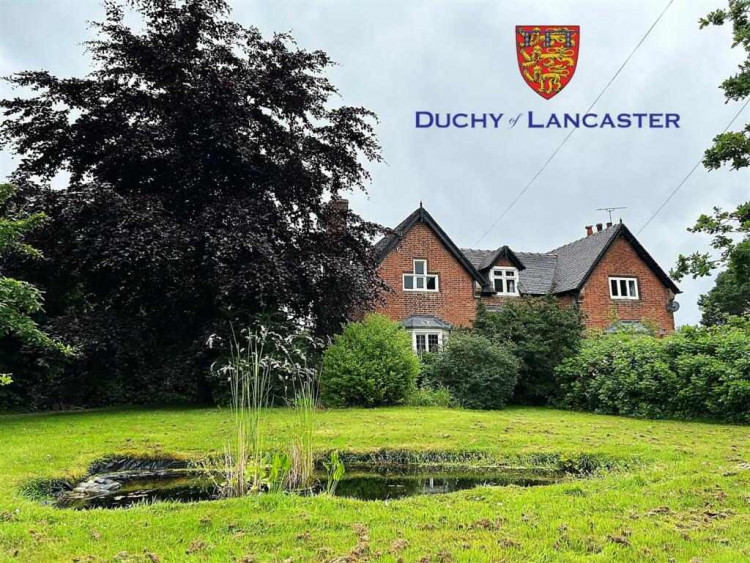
[(686, 498)]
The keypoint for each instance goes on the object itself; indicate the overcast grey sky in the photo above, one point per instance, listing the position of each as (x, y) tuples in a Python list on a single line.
[(397, 57)]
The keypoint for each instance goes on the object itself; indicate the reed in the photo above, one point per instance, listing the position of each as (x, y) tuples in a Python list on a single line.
[(254, 359), (248, 373)]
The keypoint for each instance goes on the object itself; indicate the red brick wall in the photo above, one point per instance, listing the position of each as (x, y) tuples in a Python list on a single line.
[(622, 261), (454, 303), (456, 300)]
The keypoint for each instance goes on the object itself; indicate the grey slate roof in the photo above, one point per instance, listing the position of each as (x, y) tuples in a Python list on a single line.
[(561, 270), (575, 260), (536, 276), (425, 321)]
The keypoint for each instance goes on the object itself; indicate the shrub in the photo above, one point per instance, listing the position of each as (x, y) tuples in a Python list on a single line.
[(625, 374), (712, 366), (698, 372), (371, 363), (543, 333), (479, 373), (429, 396)]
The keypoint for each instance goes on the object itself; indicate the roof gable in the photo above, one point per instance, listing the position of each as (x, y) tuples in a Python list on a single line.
[(503, 252), (577, 260), (384, 246), (564, 269)]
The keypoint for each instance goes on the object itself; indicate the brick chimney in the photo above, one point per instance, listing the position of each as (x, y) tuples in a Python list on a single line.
[(599, 227), (589, 230), (337, 210), (609, 224)]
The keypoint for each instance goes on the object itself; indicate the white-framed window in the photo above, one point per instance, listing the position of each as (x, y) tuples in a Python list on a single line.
[(419, 280), (505, 281), (426, 340), (623, 288)]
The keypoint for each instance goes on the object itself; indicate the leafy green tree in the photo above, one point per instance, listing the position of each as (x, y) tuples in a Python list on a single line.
[(19, 300), (541, 333), (730, 229), (731, 294), (371, 363), (203, 158)]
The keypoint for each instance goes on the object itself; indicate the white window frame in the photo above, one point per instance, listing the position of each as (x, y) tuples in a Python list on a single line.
[(427, 332), (423, 277), (504, 277), (625, 279)]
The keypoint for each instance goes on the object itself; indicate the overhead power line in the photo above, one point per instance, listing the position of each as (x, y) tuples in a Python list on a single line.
[(565, 140), (685, 179)]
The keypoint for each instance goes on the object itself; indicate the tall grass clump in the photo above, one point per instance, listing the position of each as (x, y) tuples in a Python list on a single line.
[(304, 403), (259, 362), (248, 372)]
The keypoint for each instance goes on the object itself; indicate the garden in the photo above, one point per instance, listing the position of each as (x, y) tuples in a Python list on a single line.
[(187, 371), (658, 490), (405, 458)]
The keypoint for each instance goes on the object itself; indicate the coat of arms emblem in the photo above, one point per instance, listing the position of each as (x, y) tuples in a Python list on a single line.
[(547, 56)]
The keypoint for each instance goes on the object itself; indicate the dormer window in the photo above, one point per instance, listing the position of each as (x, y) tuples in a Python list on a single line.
[(419, 280), (505, 281)]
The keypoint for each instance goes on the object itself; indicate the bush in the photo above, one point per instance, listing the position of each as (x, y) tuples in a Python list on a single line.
[(479, 373), (428, 396), (712, 365), (542, 332), (370, 364), (624, 374), (696, 373)]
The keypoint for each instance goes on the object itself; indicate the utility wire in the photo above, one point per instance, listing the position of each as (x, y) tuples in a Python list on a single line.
[(565, 140), (685, 179)]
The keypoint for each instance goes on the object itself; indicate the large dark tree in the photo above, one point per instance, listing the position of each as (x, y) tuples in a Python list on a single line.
[(201, 157)]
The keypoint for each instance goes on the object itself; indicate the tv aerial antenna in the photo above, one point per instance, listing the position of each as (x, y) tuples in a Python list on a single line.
[(609, 210)]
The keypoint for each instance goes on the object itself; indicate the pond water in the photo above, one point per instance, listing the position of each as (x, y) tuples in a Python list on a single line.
[(124, 488)]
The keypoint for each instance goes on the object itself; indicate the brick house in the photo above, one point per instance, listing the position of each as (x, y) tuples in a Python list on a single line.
[(436, 285)]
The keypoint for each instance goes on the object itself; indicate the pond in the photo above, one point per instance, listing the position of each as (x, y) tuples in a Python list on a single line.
[(123, 488)]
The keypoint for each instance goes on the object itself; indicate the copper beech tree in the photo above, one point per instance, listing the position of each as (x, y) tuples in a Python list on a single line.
[(201, 157)]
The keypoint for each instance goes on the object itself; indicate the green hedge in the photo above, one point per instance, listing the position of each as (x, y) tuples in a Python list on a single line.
[(701, 372)]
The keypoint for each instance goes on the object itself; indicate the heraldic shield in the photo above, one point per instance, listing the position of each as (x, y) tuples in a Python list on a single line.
[(547, 56)]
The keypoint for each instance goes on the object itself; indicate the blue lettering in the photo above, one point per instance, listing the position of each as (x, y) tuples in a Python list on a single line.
[(482, 120), (419, 114), (654, 121), (496, 119), (447, 121), (673, 119), (640, 117), (455, 120), (570, 120), (623, 120), (553, 121), (607, 120), (532, 125), (586, 120)]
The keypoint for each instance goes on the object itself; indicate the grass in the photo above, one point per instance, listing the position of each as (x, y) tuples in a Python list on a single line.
[(687, 497)]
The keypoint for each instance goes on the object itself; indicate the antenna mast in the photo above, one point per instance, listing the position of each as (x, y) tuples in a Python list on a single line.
[(609, 210)]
